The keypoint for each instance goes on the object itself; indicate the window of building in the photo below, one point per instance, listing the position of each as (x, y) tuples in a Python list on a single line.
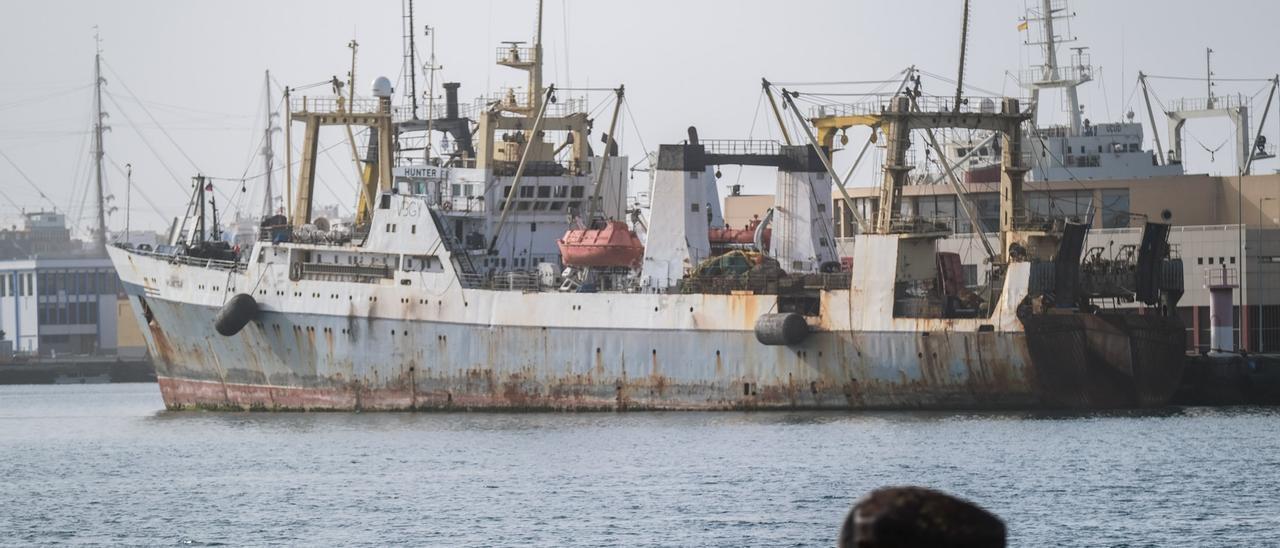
[(526, 191), (533, 227), (544, 192), (693, 208), (576, 192)]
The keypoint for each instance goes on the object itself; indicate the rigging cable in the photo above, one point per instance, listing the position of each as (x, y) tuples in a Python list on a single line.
[(149, 115), (28, 180), (164, 220)]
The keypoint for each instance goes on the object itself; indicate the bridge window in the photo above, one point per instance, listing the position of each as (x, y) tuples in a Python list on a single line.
[(1115, 208)]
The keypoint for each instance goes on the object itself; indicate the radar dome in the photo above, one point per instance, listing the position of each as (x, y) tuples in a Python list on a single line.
[(382, 87)]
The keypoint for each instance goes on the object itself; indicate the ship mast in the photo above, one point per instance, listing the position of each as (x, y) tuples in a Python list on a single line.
[(964, 50), (1051, 74), (535, 71), (410, 57), (431, 68), (268, 155), (100, 231)]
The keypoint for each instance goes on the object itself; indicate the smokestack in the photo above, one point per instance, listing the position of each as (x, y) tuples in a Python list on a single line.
[(451, 99)]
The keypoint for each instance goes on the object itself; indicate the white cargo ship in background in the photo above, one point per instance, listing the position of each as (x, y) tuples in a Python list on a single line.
[(507, 273)]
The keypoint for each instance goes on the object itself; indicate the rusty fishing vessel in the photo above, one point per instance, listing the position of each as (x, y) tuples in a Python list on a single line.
[(449, 291)]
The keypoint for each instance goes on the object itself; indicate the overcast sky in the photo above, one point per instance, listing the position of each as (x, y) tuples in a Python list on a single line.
[(197, 68)]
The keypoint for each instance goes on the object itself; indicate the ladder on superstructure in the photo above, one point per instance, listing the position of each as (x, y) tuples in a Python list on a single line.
[(467, 268)]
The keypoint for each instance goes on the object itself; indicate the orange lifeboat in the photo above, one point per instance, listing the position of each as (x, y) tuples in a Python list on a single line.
[(610, 245), (725, 238)]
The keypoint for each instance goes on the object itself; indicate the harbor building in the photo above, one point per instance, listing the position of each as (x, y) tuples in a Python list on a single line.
[(55, 299)]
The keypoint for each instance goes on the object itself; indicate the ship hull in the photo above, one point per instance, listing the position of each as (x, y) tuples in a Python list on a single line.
[(290, 361)]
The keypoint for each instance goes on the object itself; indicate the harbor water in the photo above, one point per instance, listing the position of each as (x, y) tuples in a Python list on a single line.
[(107, 465)]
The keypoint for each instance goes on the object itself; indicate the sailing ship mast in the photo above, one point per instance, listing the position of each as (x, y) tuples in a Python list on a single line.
[(268, 155), (100, 230)]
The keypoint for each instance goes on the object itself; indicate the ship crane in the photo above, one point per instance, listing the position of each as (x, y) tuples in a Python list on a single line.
[(902, 114), (1249, 146)]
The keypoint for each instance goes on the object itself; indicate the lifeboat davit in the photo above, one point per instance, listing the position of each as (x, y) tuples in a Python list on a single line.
[(610, 245)]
